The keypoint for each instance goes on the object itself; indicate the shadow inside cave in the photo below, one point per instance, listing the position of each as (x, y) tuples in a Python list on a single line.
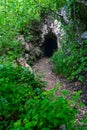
[(50, 44)]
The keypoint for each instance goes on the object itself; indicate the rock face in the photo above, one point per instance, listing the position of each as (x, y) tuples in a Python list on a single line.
[(53, 26), (48, 29), (64, 15), (84, 35), (25, 45), (23, 63)]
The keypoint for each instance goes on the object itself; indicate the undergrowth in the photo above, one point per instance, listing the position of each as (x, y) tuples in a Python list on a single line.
[(24, 105), (15, 16), (72, 65), (71, 60)]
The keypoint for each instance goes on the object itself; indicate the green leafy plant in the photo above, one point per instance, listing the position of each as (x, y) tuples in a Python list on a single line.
[(16, 15), (72, 66), (24, 105), (77, 61), (17, 85), (59, 60)]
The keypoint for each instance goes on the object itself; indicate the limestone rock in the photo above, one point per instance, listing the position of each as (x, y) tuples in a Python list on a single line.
[(35, 48), (37, 52), (84, 35), (26, 56), (64, 15), (23, 62), (55, 27), (63, 127), (26, 46), (21, 39)]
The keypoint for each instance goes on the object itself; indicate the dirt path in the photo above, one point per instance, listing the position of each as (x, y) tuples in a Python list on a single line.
[(43, 67)]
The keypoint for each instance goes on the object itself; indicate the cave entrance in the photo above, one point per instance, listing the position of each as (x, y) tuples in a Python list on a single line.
[(50, 44)]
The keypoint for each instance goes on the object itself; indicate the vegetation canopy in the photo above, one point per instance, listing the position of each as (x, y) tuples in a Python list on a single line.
[(24, 104)]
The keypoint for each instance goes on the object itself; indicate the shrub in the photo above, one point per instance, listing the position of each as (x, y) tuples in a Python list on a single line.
[(24, 106), (17, 85), (77, 61), (72, 66), (45, 114), (59, 60)]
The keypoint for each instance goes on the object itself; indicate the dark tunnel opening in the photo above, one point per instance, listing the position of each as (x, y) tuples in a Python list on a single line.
[(50, 44)]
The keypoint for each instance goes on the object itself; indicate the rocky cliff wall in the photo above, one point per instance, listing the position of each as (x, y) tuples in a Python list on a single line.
[(48, 25)]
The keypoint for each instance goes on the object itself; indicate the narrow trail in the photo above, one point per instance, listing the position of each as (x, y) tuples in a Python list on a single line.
[(43, 67)]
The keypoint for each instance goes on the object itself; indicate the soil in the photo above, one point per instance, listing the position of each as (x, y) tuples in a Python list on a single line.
[(43, 67)]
